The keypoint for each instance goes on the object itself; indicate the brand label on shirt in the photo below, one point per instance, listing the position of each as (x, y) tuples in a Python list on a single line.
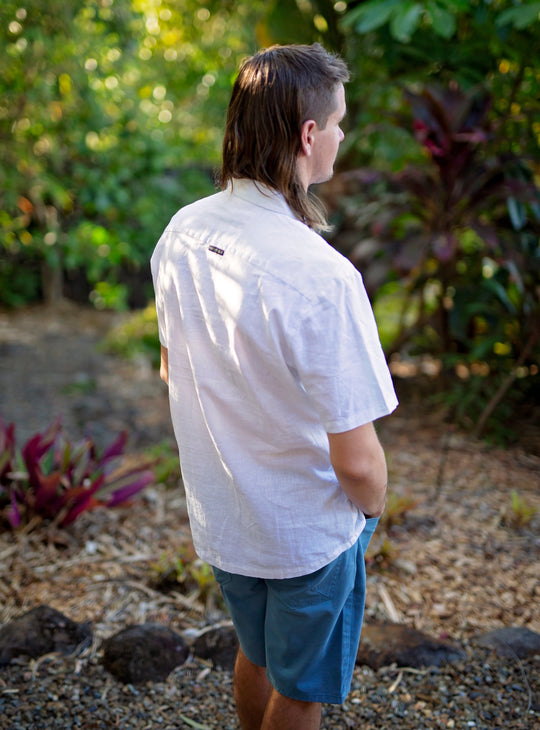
[(217, 250)]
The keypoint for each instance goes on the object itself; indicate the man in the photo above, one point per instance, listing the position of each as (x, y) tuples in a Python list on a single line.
[(275, 376)]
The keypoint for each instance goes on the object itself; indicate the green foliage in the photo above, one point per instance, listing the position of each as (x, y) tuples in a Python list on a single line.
[(405, 18), (394, 310), (20, 275), (521, 511), (185, 572), (520, 17), (397, 508), (137, 335), (392, 43), (382, 554), (166, 466), (469, 394), (293, 21), (54, 479), (450, 251), (107, 126)]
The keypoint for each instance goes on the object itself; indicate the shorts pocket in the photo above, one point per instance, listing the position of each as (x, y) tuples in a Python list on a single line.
[(222, 576), (367, 532), (312, 589)]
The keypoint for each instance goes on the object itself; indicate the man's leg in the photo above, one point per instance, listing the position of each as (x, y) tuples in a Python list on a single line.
[(260, 707), (251, 692), (283, 713)]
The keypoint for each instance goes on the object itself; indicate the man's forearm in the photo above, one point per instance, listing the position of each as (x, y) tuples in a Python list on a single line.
[(367, 489), (359, 462)]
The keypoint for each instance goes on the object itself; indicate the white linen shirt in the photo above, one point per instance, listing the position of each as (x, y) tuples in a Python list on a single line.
[(272, 344)]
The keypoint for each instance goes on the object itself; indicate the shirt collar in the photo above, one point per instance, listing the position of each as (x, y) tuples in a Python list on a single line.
[(260, 194)]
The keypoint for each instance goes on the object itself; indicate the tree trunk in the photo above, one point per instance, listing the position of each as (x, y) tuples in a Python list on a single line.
[(51, 283)]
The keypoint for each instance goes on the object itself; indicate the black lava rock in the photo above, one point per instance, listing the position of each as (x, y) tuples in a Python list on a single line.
[(147, 652)]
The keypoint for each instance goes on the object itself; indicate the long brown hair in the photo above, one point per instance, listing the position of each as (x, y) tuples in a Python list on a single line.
[(275, 92)]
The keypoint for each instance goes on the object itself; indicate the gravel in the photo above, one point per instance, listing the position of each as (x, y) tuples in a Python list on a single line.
[(484, 692)]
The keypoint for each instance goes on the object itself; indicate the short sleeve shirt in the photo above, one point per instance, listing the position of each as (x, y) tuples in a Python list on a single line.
[(272, 345)]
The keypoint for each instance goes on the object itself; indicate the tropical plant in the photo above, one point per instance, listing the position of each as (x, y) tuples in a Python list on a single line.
[(434, 223), (54, 479), (136, 336), (405, 19), (454, 240), (391, 43)]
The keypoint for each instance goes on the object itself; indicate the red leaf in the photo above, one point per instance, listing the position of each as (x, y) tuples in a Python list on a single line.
[(124, 493), (12, 512), (73, 493), (46, 489), (7, 436), (84, 505), (35, 448), (115, 449)]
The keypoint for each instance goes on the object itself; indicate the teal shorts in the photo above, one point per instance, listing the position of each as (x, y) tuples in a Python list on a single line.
[(304, 630)]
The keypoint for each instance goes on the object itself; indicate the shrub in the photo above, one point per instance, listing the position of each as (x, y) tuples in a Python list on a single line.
[(58, 480), (450, 247), (397, 507), (521, 512), (137, 335), (185, 572)]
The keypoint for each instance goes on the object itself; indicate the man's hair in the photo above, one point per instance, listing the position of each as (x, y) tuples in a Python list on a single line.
[(275, 92)]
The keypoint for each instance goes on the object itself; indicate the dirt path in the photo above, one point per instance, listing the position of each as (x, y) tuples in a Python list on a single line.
[(50, 366)]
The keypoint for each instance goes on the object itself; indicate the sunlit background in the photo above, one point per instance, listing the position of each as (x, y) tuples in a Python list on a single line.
[(111, 117)]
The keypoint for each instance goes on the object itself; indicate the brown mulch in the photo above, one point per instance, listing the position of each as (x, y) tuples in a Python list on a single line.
[(451, 559)]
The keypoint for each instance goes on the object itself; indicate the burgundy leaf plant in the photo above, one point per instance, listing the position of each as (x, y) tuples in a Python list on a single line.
[(58, 480)]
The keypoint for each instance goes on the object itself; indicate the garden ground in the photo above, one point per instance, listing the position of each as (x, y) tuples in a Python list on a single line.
[(453, 559)]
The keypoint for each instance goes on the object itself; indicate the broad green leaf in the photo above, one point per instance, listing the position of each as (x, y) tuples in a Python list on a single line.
[(405, 21), (444, 22), (520, 17), (482, 349), (371, 15), (502, 295)]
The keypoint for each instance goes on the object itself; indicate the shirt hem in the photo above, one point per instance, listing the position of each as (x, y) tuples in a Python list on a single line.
[(282, 573)]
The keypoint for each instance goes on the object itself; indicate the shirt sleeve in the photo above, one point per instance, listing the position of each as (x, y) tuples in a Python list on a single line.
[(339, 358)]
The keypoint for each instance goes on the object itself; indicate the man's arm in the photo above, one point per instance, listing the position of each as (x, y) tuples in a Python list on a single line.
[(360, 465), (164, 367)]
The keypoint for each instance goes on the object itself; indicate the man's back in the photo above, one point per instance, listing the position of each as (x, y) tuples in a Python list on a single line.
[(260, 369)]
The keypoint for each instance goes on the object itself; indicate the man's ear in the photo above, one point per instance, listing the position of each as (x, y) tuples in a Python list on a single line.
[(308, 127)]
